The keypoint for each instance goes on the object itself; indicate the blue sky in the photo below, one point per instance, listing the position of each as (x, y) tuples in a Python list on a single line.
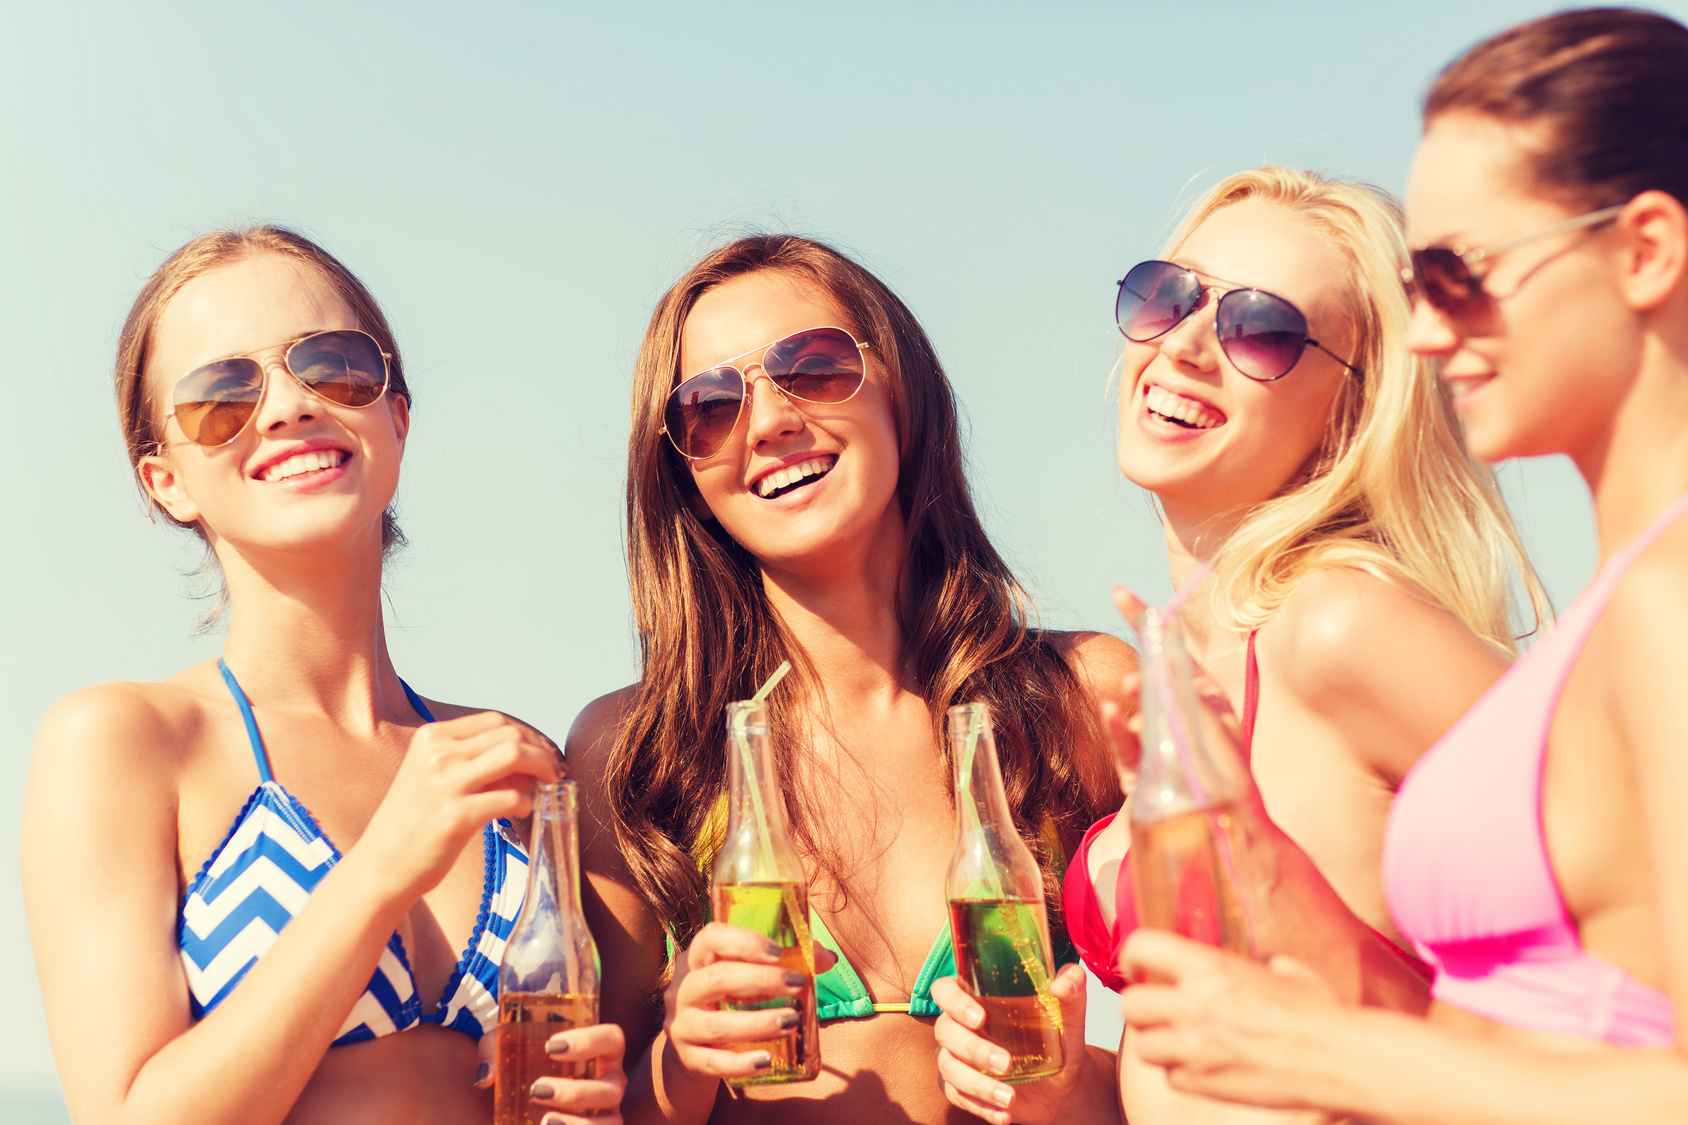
[(519, 182)]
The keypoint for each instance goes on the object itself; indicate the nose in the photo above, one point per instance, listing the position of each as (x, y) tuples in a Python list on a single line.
[(772, 414), (1193, 343), (1429, 333), (286, 401)]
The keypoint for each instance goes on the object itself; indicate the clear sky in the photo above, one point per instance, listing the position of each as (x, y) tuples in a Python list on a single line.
[(518, 182)]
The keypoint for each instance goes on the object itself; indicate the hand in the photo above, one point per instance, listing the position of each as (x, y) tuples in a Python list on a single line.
[(598, 1097), (730, 964), (966, 1060), (456, 776), (1226, 1027)]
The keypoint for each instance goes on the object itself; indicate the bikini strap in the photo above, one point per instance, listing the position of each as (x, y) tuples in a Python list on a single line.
[(252, 734), (1251, 696), (1579, 622), (416, 702)]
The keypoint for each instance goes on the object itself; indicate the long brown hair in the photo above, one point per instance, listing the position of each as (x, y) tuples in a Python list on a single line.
[(1608, 87), (708, 635)]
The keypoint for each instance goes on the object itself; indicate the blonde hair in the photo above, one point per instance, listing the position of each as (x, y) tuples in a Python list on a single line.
[(1391, 490)]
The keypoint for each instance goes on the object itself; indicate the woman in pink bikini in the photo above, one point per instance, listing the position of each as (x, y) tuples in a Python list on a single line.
[(1355, 610), (1537, 856)]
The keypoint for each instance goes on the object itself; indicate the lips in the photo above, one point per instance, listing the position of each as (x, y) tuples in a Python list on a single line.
[(300, 461), (794, 475), (1181, 410)]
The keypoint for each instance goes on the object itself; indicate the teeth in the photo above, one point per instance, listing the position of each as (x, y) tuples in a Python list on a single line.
[(791, 474), (304, 463), (1186, 410)]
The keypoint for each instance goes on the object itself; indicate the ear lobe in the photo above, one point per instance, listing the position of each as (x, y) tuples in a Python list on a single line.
[(161, 482), (1657, 260)]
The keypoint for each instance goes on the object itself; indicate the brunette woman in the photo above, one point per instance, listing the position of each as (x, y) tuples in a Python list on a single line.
[(795, 491), (1537, 856), (1358, 601), (272, 887)]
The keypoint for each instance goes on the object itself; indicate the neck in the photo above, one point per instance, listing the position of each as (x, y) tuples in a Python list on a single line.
[(1194, 538), (845, 618), (306, 632), (1638, 463)]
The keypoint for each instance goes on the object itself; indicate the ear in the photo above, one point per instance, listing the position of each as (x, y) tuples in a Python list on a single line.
[(400, 408), (163, 483), (1655, 258)]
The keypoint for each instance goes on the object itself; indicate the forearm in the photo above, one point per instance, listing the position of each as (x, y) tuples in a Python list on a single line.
[(1388, 1068), (1094, 1099), (661, 1091), (251, 1057)]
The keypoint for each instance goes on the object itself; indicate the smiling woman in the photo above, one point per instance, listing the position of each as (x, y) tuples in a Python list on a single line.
[(795, 492), (258, 888)]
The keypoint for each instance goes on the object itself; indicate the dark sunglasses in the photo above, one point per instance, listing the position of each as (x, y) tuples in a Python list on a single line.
[(1443, 275), (820, 365), (214, 403), (1262, 334)]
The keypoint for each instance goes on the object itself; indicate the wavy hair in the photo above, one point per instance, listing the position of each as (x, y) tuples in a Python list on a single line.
[(1391, 490), (708, 634)]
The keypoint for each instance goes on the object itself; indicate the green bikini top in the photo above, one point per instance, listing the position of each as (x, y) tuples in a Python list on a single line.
[(839, 992)]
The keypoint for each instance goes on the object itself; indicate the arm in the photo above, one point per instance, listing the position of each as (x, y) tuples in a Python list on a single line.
[(100, 879)]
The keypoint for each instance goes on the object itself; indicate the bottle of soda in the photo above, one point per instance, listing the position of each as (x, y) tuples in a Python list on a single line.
[(997, 916), (759, 883), (1189, 857), (548, 979)]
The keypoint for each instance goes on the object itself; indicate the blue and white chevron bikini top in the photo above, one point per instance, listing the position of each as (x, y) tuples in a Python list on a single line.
[(267, 866)]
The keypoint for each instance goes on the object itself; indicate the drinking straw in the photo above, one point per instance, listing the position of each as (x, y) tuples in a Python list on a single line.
[(788, 893)]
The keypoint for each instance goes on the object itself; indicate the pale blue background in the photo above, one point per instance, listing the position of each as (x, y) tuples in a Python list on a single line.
[(518, 183)]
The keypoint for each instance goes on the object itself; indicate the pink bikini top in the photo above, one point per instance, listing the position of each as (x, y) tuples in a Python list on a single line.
[(1097, 942), (1465, 864)]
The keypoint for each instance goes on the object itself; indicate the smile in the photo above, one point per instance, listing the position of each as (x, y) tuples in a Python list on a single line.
[(301, 463), (1181, 411), (795, 476)]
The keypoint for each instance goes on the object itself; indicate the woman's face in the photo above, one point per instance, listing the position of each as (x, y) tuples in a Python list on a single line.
[(839, 461), (1201, 435), (305, 472), (1564, 348)]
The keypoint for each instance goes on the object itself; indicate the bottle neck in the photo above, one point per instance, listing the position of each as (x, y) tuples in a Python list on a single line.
[(554, 860)]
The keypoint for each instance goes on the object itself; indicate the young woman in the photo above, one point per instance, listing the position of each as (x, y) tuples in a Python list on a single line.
[(795, 491), (271, 887), (1537, 856), (1358, 601)]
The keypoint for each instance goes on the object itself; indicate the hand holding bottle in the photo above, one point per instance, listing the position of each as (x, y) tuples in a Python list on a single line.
[(972, 1067), (599, 1050)]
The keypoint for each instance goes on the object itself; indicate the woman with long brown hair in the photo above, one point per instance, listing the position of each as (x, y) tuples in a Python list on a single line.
[(839, 535), (1537, 855)]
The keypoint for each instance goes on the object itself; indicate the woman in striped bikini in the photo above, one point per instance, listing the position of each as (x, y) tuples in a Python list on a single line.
[(249, 885)]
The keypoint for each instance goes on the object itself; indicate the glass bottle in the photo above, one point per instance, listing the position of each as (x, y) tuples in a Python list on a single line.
[(548, 979), (997, 916), (1188, 852), (759, 883)]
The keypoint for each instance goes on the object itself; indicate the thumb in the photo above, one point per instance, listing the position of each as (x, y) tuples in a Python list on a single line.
[(1130, 606), (1290, 969), (1069, 990)]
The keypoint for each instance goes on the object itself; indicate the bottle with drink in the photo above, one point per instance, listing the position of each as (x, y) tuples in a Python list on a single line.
[(759, 883), (1189, 856), (548, 979), (997, 916)]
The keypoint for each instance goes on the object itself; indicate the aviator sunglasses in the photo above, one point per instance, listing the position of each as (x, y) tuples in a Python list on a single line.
[(1443, 275), (819, 365), (1262, 334), (214, 403)]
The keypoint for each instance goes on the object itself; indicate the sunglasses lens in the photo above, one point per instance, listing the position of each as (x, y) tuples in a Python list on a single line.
[(820, 365), (213, 402), (1443, 278), (1262, 335), (702, 411), (346, 367), (1153, 298)]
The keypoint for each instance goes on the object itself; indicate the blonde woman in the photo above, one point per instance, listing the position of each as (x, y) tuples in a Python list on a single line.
[(1358, 599)]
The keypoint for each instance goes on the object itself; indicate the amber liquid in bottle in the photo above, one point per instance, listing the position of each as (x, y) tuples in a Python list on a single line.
[(1000, 956), (766, 908), (525, 1021), (1183, 884)]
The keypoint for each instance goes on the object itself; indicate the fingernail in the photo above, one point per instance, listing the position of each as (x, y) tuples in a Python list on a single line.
[(790, 1018), (773, 950), (553, 1119), (542, 1089), (794, 979), (481, 1072), (763, 1060), (999, 1060), (975, 1016), (557, 1046), (1003, 1096)]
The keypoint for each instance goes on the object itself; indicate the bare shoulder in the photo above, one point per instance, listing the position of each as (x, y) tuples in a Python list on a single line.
[(592, 736), (1099, 660), (120, 732), (1646, 621)]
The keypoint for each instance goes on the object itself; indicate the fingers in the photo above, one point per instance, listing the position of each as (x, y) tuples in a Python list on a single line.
[(972, 1092), (966, 1060), (727, 982), (488, 1047), (1130, 606), (1127, 748), (603, 1041), (1164, 955), (721, 942), (581, 1096)]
